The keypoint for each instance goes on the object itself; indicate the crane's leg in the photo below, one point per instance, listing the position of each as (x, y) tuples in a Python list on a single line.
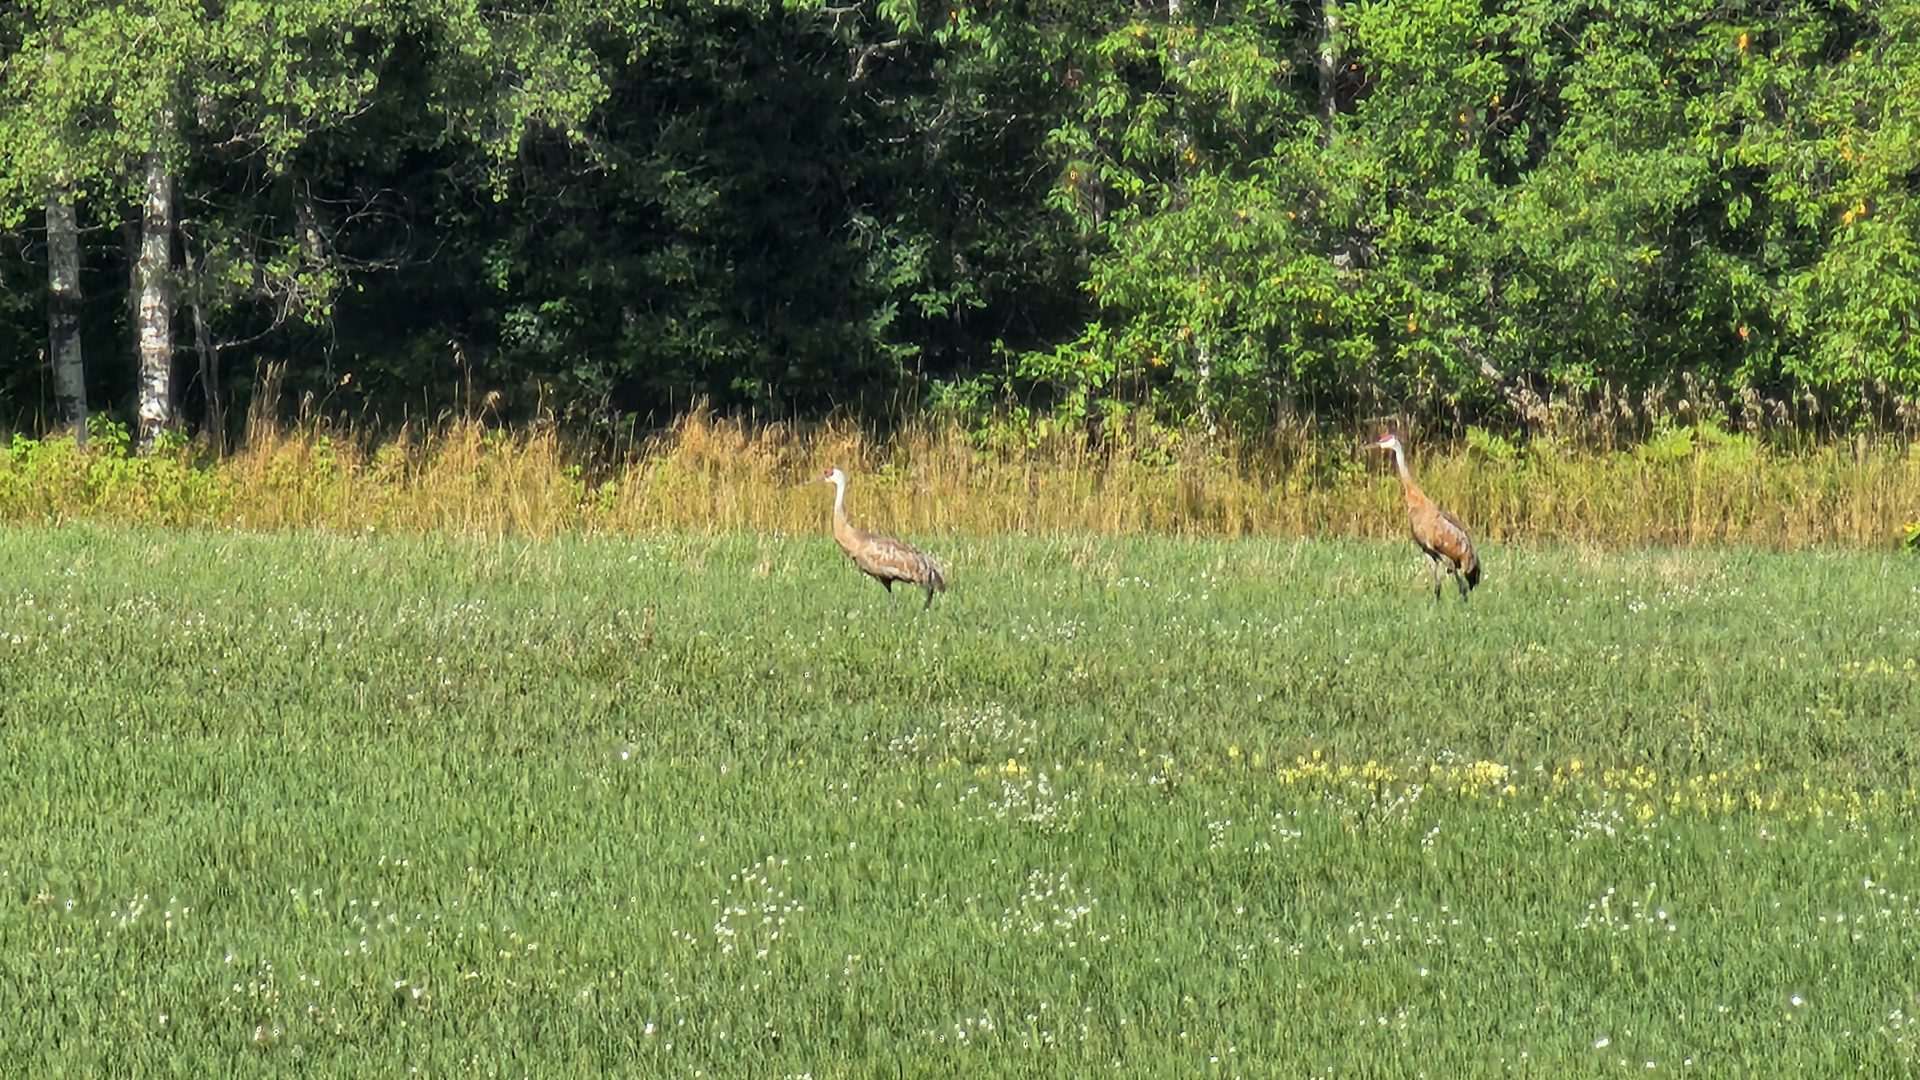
[(1433, 564), (929, 587), (1460, 579)]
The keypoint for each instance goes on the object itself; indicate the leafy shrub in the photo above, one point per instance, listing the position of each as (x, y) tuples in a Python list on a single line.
[(1496, 448)]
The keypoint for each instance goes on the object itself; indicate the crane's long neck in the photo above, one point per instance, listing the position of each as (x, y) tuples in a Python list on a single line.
[(1407, 487), (843, 531)]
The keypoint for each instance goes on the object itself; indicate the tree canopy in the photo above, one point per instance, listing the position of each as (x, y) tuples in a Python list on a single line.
[(1062, 209)]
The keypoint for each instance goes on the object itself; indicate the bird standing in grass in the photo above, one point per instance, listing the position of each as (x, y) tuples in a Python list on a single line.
[(882, 558), (1437, 533)]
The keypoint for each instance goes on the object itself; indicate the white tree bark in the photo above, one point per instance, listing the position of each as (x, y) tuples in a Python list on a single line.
[(155, 329), (63, 315)]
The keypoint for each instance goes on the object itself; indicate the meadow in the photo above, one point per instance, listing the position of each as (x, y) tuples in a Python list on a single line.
[(355, 804)]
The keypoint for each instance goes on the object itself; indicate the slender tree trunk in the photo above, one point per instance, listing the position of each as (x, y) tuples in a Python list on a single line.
[(155, 325), (214, 418), (1203, 377), (1203, 345), (216, 415), (312, 244), (1328, 62), (130, 248), (63, 314), (1345, 249)]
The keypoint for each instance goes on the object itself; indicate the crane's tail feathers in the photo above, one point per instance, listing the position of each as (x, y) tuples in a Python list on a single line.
[(931, 579)]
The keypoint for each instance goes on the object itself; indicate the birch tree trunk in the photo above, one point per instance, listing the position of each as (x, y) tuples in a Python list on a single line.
[(155, 324), (63, 315)]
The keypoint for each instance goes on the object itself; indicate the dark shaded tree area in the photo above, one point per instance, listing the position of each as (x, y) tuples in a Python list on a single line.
[(1053, 210)]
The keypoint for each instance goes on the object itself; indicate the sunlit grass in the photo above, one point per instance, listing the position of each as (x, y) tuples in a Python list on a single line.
[(717, 476), (353, 805)]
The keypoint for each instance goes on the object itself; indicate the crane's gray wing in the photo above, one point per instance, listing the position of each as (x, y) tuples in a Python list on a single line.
[(1450, 539), (883, 556)]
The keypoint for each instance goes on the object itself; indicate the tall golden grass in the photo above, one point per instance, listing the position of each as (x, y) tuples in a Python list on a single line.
[(710, 474)]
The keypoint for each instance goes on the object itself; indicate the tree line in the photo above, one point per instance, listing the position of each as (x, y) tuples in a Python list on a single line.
[(1054, 210)]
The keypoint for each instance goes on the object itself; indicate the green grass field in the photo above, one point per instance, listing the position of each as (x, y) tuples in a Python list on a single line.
[(354, 806)]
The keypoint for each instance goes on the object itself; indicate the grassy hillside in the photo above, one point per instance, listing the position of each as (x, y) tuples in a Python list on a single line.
[(354, 805)]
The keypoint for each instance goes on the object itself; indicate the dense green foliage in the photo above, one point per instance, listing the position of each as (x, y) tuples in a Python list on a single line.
[(343, 806), (1062, 208)]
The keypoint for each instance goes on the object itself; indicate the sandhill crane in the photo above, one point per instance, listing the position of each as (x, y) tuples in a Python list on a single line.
[(882, 558), (1437, 533)]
